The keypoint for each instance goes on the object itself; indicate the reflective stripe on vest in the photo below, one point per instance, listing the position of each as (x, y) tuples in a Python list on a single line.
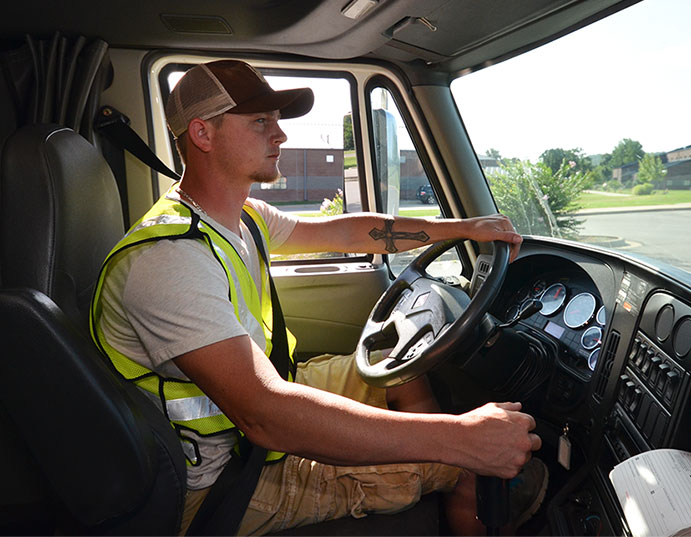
[(184, 404)]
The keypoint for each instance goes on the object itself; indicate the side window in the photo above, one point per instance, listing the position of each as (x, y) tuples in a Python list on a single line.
[(318, 159), (403, 186)]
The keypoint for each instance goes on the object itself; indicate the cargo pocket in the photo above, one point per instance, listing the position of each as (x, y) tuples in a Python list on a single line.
[(384, 489)]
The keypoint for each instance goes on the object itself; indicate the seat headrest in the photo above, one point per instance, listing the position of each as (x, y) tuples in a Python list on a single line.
[(60, 214)]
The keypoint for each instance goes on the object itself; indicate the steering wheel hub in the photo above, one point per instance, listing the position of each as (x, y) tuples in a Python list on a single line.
[(420, 320)]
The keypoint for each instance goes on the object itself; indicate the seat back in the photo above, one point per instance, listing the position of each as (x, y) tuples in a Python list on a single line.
[(60, 215), (91, 454)]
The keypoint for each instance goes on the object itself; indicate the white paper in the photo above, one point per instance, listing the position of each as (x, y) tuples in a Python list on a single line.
[(654, 490)]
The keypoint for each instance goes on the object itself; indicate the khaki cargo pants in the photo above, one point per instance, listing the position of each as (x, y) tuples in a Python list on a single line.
[(296, 491)]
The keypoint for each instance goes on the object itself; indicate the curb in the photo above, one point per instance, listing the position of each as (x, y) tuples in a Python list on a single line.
[(640, 209)]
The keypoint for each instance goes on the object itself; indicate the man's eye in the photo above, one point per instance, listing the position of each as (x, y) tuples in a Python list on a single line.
[(261, 120)]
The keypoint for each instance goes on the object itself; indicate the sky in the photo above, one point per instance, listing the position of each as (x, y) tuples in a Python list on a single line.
[(323, 126), (627, 76)]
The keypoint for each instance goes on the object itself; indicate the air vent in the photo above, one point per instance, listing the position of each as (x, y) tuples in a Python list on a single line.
[(196, 24), (483, 267), (608, 361)]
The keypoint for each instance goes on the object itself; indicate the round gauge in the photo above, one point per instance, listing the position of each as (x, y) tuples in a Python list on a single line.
[(681, 341), (579, 310), (522, 294), (538, 288), (592, 359), (553, 299), (601, 316), (664, 322), (591, 338)]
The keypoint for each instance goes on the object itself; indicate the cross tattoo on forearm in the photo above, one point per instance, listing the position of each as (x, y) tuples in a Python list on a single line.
[(387, 233)]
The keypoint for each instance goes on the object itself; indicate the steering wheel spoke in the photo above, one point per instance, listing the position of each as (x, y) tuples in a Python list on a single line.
[(421, 319)]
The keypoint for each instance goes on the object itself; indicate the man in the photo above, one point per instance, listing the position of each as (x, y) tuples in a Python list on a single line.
[(182, 309)]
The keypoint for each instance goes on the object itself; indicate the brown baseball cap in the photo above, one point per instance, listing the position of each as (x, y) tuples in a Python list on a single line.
[(231, 86)]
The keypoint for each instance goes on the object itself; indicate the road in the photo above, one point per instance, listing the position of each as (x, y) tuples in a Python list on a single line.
[(661, 234)]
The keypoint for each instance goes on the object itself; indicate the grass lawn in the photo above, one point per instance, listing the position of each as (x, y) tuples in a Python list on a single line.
[(407, 211), (349, 159), (593, 200)]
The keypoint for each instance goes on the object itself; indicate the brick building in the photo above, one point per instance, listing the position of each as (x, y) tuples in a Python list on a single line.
[(676, 162), (309, 175), (412, 174), (678, 175), (679, 154)]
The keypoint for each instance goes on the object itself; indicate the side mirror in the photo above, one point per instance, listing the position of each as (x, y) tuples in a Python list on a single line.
[(388, 159)]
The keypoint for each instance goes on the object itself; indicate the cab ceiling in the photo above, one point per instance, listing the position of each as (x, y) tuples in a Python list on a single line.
[(451, 35)]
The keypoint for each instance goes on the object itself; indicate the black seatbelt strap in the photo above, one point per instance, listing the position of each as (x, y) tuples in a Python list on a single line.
[(223, 508), (225, 505), (116, 127)]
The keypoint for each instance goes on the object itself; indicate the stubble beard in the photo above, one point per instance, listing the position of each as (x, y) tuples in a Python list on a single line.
[(266, 177)]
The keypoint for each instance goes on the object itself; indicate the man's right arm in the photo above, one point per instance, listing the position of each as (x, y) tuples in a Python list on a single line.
[(235, 373)]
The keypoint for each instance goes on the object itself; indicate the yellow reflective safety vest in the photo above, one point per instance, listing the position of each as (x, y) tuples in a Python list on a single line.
[(184, 404)]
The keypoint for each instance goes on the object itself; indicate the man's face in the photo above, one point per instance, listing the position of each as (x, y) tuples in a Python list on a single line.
[(249, 145)]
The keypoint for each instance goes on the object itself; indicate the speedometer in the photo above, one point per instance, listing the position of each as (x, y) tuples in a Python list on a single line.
[(579, 310), (553, 298)]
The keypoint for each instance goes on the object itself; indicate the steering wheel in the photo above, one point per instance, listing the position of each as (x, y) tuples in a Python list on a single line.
[(426, 318)]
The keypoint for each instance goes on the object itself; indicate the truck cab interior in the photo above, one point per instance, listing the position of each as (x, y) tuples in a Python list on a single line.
[(492, 106)]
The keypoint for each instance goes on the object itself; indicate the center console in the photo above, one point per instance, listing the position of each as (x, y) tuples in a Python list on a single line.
[(649, 409)]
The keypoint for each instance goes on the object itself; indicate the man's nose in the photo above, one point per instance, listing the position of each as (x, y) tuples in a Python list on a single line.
[(279, 136)]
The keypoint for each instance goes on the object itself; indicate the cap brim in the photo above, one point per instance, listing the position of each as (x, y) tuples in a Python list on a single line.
[(291, 103)]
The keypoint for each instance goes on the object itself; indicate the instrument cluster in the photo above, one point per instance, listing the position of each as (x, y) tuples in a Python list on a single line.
[(571, 312)]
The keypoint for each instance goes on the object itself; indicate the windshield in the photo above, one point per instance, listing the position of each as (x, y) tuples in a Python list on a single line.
[(587, 138)]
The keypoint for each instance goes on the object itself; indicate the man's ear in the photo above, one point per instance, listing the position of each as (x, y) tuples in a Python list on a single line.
[(200, 134)]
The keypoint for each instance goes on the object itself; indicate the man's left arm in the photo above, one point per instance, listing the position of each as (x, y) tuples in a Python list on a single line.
[(376, 233)]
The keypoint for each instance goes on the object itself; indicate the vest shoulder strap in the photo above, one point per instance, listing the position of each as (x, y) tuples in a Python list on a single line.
[(280, 354)]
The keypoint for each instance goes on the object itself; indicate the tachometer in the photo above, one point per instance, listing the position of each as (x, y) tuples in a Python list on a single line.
[(553, 298), (579, 310)]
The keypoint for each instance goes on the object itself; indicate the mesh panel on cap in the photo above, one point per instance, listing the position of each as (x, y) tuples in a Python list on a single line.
[(198, 94)]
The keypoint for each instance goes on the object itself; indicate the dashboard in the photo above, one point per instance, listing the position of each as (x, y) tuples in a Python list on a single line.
[(577, 297), (619, 341), (572, 313)]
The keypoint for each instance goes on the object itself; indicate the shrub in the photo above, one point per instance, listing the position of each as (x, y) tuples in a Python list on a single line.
[(334, 206), (612, 186), (643, 190), (539, 201)]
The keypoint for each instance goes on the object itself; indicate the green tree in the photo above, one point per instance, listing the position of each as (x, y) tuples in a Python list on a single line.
[(348, 143), (555, 158), (493, 153), (539, 201), (651, 170), (626, 152)]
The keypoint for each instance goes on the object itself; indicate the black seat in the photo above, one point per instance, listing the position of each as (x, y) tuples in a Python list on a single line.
[(60, 215), (96, 456), (85, 452), (88, 453)]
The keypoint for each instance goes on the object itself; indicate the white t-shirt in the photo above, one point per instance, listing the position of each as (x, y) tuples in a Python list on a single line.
[(170, 297)]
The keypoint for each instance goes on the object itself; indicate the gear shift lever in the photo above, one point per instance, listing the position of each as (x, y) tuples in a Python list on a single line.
[(492, 502)]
